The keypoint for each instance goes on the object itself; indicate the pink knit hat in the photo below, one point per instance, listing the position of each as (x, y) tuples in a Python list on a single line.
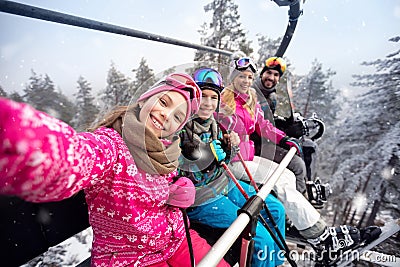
[(181, 83)]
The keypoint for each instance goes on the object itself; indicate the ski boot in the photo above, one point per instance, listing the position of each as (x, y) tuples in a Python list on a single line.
[(331, 244), (370, 233), (291, 230), (318, 193)]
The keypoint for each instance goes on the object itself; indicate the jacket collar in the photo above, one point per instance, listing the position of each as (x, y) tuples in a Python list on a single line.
[(241, 97)]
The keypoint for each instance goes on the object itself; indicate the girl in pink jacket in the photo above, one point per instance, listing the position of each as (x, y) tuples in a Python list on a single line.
[(126, 165)]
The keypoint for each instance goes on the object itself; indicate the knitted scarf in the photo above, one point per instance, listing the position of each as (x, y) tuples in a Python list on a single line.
[(203, 127), (268, 94), (148, 151)]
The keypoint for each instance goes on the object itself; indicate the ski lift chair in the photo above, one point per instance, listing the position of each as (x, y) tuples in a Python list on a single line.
[(29, 229)]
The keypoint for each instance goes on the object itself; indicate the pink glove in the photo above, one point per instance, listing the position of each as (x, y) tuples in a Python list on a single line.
[(181, 193)]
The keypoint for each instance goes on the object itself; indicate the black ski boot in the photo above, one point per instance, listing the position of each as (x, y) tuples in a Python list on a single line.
[(318, 193), (370, 233), (333, 242)]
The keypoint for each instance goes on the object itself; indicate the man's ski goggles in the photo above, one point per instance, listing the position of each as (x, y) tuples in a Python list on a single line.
[(276, 62), (185, 82), (210, 77), (245, 63)]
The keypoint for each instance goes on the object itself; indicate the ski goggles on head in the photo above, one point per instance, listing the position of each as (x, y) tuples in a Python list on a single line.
[(245, 63), (209, 77), (276, 62), (185, 82)]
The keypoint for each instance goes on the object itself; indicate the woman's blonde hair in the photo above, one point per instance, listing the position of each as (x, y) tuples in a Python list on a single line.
[(228, 103)]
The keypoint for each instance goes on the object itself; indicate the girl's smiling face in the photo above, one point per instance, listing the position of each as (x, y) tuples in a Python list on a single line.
[(208, 104), (164, 112), (243, 81)]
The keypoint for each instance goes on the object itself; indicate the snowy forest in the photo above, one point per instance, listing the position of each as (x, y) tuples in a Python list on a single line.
[(358, 155)]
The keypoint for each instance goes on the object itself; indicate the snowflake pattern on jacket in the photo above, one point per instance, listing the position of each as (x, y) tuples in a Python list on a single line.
[(43, 159)]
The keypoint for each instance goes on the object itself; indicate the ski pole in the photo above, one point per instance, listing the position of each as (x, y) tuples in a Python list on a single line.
[(233, 178), (222, 245), (254, 184), (247, 244), (246, 196)]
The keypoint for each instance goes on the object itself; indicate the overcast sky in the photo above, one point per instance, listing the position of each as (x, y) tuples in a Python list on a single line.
[(341, 34)]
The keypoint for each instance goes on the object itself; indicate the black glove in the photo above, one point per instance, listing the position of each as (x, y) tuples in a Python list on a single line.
[(281, 122), (292, 128), (295, 129)]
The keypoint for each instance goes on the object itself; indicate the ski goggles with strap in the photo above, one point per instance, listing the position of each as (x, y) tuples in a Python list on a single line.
[(209, 77), (276, 62), (185, 82), (245, 63)]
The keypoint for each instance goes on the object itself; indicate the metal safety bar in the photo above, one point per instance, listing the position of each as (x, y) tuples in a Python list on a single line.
[(221, 247), (49, 15)]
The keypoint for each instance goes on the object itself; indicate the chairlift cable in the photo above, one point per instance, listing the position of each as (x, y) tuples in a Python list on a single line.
[(58, 17), (53, 16)]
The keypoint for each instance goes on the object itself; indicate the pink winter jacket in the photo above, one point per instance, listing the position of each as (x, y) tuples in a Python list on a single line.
[(243, 124), (43, 159)]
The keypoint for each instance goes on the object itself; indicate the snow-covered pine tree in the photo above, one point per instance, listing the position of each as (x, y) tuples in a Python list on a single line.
[(64, 107), (36, 94), (16, 97), (144, 78), (117, 85), (315, 93), (85, 107), (223, 32), (169, 71), (2, 92), (41, 94), (268, 48), (368, 141), (54, 257)]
